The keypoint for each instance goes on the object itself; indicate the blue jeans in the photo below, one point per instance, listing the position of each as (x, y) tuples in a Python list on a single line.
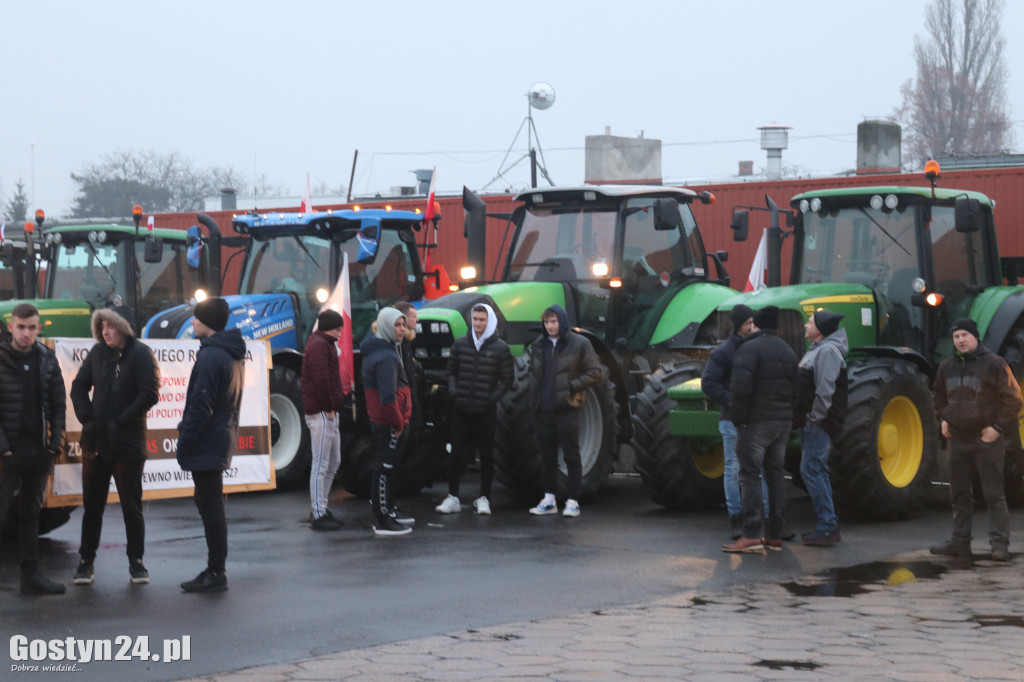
[(814, 471), (730, 479), (761, 449)]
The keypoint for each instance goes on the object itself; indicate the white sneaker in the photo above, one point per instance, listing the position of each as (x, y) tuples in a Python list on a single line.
[(482, 506), (572, 509), (450, 505), (543, 509)]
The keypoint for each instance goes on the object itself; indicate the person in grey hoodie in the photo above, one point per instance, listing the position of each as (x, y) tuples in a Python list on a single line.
[(821, 409)]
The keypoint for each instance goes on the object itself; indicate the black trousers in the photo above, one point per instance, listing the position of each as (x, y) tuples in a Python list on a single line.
[(472, 433), (389, 449), (31, 478), (209, 498), (96, 474), (560, 430)]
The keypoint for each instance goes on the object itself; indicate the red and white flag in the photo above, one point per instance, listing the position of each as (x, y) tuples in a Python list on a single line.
[(307, 199), (755, 280), (341, 300), (2, 226), (149, 224), (429, 213)]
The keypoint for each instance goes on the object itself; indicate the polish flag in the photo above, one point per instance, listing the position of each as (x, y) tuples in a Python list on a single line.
[(2, 226), (341, 300), (429, 214), (756, 279), (307, 199), (149, 224)]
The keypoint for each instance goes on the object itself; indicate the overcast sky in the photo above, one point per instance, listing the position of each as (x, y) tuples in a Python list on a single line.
[(287, 88)]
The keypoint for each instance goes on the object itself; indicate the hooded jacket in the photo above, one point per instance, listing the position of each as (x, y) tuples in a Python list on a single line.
[(575, 366), (480, 370), (125, 384), (822, 385), (209, 425), (763, 383), (12, 399), (385, 385), (321, 381), (976, 390)]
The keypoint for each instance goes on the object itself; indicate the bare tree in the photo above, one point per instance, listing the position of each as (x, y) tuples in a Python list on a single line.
[(957, 104), (160, 182)]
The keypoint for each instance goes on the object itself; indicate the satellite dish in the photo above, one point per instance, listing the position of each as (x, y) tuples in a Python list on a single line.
[(541, 95)]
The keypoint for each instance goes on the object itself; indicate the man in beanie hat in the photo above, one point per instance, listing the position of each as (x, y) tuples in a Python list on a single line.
[(209, 428), (820, 411), (322, 403), (122, 374), (763, 389), (389, 407), (977, 400), (715, 382)]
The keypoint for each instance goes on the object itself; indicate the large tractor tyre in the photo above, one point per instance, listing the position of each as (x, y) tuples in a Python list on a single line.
[(517, 455), (883, 461), (289, 437), (422, 462), (358, 459), (1013, 470), (673, 470), (49, 519)]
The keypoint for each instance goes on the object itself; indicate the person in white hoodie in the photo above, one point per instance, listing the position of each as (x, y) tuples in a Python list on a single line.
[(479, 374)]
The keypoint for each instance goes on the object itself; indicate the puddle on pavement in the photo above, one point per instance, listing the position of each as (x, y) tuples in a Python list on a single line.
[(999, 621), (853, 580), (788, 665)]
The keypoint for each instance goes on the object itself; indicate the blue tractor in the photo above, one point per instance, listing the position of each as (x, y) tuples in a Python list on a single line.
[(291, 264)]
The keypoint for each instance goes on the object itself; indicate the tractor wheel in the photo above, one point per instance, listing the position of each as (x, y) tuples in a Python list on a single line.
[(882, 463), (358, 459), (517, 455), (1013, 470), (422, 462), (672, 469), (289, 437)]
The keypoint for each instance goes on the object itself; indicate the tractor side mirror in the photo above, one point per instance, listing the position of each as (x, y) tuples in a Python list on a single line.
[(666, 215), (154, 250), (369, 240), (739, 225), (967, 215)]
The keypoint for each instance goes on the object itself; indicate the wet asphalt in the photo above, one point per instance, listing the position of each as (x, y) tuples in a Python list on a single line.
[(296, 594)]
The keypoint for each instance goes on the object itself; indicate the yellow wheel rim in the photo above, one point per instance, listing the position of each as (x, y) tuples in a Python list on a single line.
[(711, 464), (900, 442)]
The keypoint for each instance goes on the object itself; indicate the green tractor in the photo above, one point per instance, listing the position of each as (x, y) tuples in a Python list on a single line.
[(901, 263), (628, 265)]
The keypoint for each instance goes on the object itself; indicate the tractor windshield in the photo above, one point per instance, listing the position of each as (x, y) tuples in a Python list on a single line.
[(562, 243), (90, 272), (167, 283)]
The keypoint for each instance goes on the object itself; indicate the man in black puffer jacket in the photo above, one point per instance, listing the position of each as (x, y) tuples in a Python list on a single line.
[(124, 379), (32, 404), (563, 365), (479, 374), (763, 387)]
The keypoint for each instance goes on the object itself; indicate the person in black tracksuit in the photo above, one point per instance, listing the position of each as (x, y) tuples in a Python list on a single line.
[(563, 365), (122, 374), (977, 400), (763, 387), (479, 374), (32, 412), (209, 428)]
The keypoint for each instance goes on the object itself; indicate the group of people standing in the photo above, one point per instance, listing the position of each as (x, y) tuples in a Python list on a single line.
[(563, 365), (764, 392), (115, 387)]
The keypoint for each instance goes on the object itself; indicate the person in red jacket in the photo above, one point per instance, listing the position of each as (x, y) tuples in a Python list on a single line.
[(322, 401), (389, 407)]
